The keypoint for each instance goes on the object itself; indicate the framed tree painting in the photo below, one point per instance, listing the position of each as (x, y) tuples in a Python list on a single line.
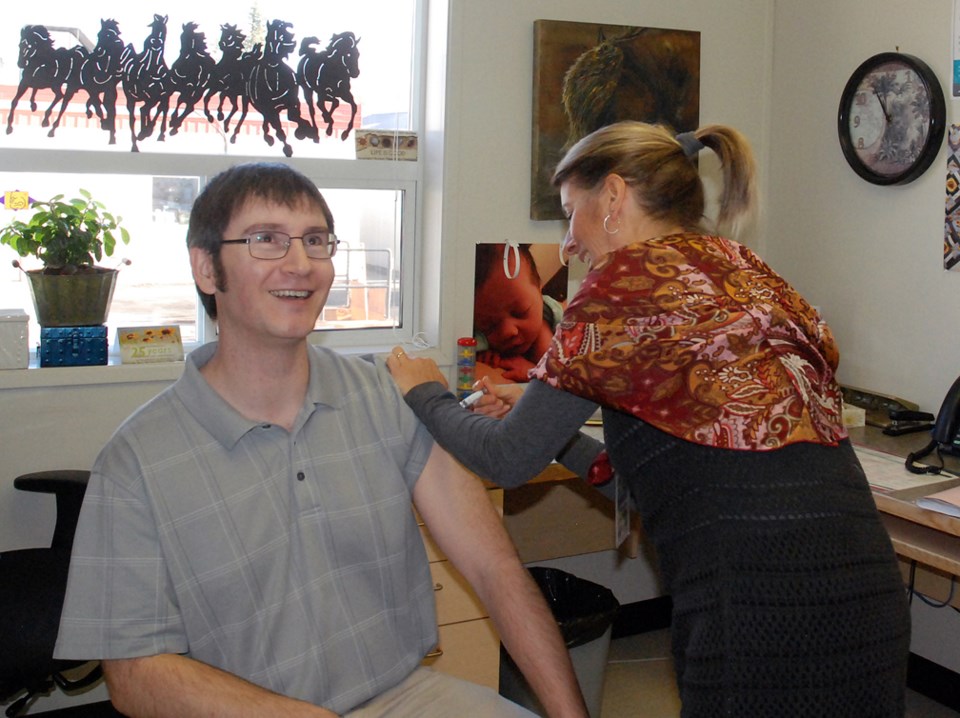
[(588, 75)]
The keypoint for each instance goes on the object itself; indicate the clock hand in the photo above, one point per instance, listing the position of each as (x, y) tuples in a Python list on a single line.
[(882, 105)]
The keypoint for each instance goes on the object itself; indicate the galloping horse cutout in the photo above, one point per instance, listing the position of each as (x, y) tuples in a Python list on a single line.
[(43, 67), (229, 76), (328, 73), (146, 80), (190, 73), (98, 76), (259, 77), (272, 88)]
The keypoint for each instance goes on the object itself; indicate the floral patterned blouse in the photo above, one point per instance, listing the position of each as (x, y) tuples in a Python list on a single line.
[(698, 337)]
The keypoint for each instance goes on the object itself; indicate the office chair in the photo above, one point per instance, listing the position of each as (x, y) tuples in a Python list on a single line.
[(32, 586)]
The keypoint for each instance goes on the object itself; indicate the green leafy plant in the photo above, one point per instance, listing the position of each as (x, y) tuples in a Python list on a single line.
[(67, 236)]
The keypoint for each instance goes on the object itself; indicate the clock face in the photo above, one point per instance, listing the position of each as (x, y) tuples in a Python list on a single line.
[(891, 119)]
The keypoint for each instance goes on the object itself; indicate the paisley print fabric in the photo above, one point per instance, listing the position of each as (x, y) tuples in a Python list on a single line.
[(698, 337)]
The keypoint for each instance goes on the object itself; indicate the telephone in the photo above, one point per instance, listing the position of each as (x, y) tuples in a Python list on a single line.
[(945, 439)]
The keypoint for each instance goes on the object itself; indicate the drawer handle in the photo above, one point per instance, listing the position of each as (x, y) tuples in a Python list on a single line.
[(435, 653), (438, 587)]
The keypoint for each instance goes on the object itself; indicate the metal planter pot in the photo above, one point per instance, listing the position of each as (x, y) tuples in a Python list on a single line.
[(72, 300)]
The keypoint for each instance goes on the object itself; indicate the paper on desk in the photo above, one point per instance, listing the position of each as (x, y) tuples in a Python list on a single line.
[(886, 472), (946, 502)]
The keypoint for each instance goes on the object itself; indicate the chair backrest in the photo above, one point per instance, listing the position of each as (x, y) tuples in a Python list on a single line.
[(32, 586)]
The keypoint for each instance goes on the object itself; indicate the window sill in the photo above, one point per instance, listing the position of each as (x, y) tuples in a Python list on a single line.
[(115, 373), (35, 376)]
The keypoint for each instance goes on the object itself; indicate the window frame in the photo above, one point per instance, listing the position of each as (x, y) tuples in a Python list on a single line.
[(405, 176)]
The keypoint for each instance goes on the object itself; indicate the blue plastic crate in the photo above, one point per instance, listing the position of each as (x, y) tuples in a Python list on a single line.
[(73, 346)]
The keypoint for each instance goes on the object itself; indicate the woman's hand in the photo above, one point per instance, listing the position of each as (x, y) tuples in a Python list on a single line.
[(410, 371), (498, 399), (511, 368)]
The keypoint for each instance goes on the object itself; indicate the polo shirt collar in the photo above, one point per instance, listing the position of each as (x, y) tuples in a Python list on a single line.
[(219, 418)]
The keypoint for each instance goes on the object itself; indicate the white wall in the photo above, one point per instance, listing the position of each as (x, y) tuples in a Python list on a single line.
[(870, 257), (489, 108), (56, 427), (488, 127)]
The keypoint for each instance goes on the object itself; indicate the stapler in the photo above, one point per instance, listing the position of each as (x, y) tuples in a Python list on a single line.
[(906, 421), (877, 406)]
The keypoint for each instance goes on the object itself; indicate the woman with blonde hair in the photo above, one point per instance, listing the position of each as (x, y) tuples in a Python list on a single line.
[(722, 418)]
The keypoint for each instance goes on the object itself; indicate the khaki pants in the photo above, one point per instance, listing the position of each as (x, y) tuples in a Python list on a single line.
[(430, 694)]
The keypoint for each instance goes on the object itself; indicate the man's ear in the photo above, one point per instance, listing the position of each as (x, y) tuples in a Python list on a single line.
[(204, 272)]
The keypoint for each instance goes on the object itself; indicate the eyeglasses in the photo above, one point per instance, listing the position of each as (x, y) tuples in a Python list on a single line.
[(272, 244)]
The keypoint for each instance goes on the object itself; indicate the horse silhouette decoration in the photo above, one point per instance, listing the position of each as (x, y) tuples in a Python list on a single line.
[(146, 81), (259, 77), (42, 67), (98, 75), (190, 73), (229, 76), (272, 89), (328, 73)]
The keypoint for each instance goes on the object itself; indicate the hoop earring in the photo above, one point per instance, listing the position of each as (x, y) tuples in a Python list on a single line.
[(607, 229)]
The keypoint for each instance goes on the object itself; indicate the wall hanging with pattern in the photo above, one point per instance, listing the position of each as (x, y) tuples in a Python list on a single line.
[(951, 227)]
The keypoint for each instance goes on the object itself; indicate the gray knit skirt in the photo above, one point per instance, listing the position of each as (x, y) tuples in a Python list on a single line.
[(787, 598)]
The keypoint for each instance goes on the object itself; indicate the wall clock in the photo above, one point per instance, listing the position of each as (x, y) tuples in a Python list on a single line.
[(891, 119)]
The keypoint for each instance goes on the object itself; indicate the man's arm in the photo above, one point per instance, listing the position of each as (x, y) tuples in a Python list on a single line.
[(463, 522), (181, 687)]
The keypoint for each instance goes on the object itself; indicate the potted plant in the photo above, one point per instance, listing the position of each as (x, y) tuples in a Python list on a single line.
[(68, 236)]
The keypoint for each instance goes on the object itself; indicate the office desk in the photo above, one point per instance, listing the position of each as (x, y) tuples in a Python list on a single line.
[(928, 537), (557, 515), (553, 517)]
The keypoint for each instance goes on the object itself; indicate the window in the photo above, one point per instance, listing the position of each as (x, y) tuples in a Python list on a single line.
[(375, 202)]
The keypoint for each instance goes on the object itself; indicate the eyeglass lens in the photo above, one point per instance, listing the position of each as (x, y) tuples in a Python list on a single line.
[(274, 244)]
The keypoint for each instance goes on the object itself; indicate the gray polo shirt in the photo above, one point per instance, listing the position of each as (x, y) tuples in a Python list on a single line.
[(291, 559)]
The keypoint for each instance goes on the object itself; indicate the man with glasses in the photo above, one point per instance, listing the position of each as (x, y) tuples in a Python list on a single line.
[(247, 544)]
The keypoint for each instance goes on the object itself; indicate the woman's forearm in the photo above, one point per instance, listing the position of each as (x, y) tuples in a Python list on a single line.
[(507, 451)]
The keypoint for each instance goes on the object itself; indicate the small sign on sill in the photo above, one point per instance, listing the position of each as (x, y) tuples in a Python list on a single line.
[(386, 145), (149, 345)]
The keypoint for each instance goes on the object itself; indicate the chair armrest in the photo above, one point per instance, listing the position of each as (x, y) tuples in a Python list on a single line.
[(69, 486), (54, 482)]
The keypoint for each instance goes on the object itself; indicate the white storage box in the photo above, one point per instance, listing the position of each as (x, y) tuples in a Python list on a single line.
[(14, 348)]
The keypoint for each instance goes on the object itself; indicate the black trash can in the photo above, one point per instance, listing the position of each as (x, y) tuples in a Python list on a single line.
[(585, 612)]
